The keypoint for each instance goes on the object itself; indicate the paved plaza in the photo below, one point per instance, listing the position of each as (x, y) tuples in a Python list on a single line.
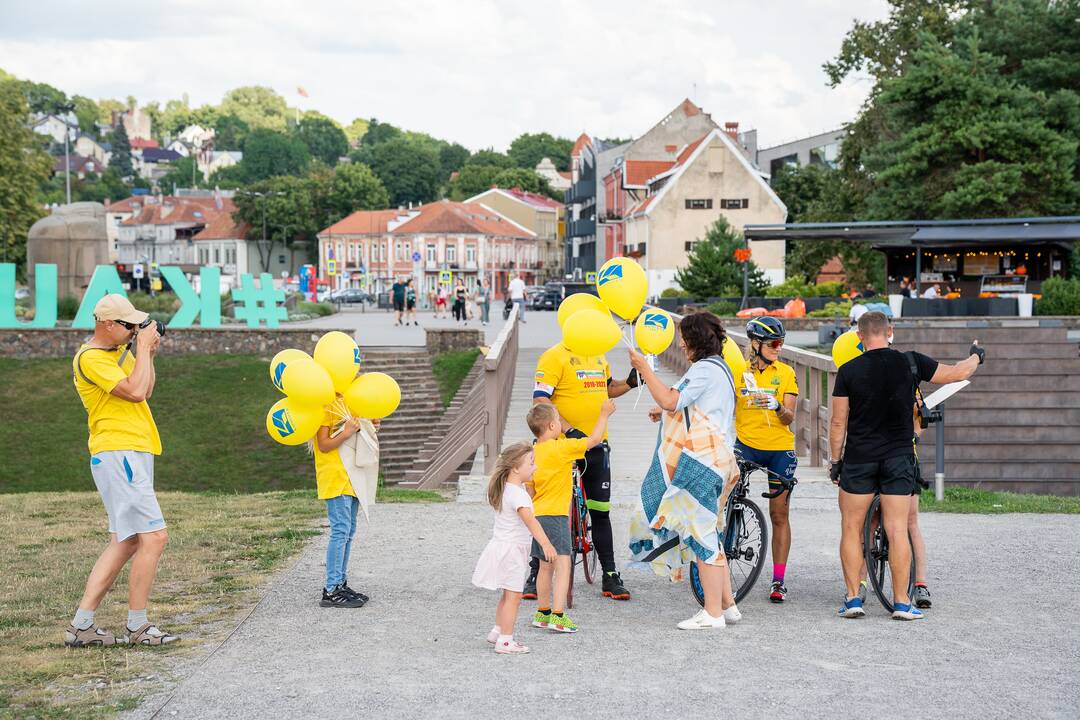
[(1001, 641)]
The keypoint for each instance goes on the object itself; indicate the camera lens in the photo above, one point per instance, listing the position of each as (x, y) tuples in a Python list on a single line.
[(161, 328)]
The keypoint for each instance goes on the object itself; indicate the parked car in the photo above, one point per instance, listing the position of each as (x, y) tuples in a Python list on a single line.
[(535, 295), (352, 296), (555, 292)]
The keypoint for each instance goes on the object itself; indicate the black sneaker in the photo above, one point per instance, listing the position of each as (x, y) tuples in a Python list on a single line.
[(339, 599), (529, 592), (346, 589), (922, 597), (613, 587)]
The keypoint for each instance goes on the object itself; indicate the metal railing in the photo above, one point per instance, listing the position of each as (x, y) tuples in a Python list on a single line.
[(475, 418), (816, 376)]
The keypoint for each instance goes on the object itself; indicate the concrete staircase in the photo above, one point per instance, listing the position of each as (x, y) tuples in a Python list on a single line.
[(404, 432), (1017, 426)]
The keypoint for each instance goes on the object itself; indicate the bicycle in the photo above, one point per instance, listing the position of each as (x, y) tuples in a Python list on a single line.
[(745, 534), (582, 549)]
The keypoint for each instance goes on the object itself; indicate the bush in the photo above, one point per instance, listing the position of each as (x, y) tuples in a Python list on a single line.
[(67, 307), (165, 302), (723, 308), (793, 287), (672, 292), (829, 289), (315, 309), (833, 309), (1059, 297)]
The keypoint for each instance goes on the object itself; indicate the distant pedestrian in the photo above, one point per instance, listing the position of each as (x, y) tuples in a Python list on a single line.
[(397, 293), (410, 303), (460, 296), (518, 295), (483, 300), (440, 300)]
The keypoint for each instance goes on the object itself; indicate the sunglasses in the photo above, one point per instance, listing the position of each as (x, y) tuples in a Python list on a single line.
[(774, 344)]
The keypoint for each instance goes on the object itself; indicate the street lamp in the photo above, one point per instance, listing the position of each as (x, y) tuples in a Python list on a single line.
[(66, 108), (264, 243)]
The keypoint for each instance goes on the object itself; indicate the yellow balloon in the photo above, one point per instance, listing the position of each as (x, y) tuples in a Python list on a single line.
[(308, 383), (847, 347), (281, 361), (654, 331), (293, 423), (340, 356), (734, 358), (373, 395), (590, 332), (579, 301), (622, 286)]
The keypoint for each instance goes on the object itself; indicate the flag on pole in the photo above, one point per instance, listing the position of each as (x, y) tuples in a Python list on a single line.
[(301, 91)]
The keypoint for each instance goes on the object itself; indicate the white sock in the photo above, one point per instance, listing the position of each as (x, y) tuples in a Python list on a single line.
[(83, 619), (136, 619)]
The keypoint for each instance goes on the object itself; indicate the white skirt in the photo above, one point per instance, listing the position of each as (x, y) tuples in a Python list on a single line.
[(502, 566)]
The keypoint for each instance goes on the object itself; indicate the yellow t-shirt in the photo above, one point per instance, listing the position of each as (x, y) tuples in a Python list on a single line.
[(759, 428), (114, 423), (330, 476), (576, 384), (553, 479)]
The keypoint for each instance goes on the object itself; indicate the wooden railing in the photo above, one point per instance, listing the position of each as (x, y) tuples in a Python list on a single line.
[(475, 418), (816, 376)]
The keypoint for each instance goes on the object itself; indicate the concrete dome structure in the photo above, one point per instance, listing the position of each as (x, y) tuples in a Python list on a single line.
[(74, 239)]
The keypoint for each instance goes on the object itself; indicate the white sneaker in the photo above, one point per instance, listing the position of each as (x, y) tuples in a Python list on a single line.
[(702, 621), (510, 647), (493, 636), (732, 615)]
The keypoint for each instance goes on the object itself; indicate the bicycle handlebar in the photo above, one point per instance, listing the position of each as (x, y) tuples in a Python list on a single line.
[(786, 486)]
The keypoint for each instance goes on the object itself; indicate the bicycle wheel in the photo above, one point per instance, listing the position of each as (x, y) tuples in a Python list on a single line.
[(876, 556), (589, 558), (573, 559), (746, 556)]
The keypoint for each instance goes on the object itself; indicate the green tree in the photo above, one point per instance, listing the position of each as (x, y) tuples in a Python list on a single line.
[(711, 269), (42, 97), (490, 157), (23, 167), (229, 178), (355, 187), (409, 172), (174, 118), (529, 149), (87, 112), (230, 132), (121, 152), (472, 180), (324, 139), (355, 130), (106, 108), (259, 107), (378, 133), (523, 179), (452, 158), (292, 212), (182, 173), (268, 153)]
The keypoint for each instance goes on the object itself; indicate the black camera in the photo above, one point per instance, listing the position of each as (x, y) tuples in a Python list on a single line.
[(160, 325)]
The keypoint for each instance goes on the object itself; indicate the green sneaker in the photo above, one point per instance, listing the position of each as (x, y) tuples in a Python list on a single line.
[(542, 620), (561, 624)]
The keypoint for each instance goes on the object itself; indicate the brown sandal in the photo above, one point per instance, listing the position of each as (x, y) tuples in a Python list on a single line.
[(92, 636), (143, 636)]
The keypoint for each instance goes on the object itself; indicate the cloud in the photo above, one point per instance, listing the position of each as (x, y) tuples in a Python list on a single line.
[(478, 72)]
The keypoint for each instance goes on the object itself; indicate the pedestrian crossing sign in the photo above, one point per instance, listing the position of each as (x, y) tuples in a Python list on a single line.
[(331, 267), (590, 278), (446, 277)]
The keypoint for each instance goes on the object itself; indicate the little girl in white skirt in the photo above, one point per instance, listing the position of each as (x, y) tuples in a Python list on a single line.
[(504, 563)]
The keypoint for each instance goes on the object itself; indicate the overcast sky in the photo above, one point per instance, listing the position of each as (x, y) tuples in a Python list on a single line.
[(478, 72)]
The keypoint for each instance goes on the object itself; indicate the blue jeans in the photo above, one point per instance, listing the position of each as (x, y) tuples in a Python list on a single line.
[(521, 309), (341, 512)]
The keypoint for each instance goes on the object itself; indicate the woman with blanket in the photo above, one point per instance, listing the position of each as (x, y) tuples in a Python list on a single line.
[(692, 472)]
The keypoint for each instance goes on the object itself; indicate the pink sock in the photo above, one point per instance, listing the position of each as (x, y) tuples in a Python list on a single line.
[(778, 572)]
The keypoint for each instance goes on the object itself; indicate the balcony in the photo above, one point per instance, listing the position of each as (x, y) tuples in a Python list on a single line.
[(581, 228), (581, 191), (636, 250)]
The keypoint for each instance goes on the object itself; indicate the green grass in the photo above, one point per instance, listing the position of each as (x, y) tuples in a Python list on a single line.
[(969, 500), (450, 370)]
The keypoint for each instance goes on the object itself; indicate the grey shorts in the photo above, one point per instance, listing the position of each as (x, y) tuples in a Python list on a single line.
[(557, 529), (125, 480)]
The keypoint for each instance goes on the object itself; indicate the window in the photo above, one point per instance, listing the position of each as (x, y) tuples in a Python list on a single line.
[(699, 204), (826, 155), (779, 164), (431, 253), (470, 253), (230, 256), (734, 203), (451, 254), (689, 246), (204, 256), (281, 259), (397, 251), (217, 255)]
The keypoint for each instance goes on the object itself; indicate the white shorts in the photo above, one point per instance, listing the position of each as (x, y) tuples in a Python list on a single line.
[(125, 480)]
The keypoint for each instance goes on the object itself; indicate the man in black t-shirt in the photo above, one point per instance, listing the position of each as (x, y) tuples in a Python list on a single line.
[(397, 293), (871, 429)]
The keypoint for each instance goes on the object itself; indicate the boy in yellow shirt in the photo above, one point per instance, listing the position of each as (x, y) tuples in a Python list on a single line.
[(552, 491)]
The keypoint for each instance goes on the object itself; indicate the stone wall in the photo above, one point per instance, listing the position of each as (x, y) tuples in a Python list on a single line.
[(64, 342), (440, 340)]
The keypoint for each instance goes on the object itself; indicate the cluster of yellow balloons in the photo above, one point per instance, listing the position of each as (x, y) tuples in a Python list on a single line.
[(847, 347), (312, 386)]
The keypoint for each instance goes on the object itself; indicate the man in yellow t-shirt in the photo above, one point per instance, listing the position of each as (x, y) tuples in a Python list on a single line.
[(578, 385), (114, 376), (764, 410)]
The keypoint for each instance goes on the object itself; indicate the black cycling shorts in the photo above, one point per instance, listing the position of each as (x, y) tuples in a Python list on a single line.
[(399, 305), (891, 476), (595, 474)]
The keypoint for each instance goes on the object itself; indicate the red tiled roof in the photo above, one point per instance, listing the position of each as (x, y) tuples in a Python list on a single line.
[(223, 226), (141, 144), (643, 205), (538, 201), (582, 141), (638, 172), (176, 210), (437, 217), (689, 150), (364, 222), (689, 108)]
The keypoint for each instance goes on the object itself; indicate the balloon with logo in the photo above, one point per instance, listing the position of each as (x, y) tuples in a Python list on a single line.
[(654, 331), (590, 332), (292, 423), (281, 361), (846, 347), (373, 395), (622, 286), (340, 357), (734, 357), (579, 301), (305, 381)]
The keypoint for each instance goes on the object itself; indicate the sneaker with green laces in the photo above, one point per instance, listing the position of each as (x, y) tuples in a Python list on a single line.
[(561, 623), (542, 620)]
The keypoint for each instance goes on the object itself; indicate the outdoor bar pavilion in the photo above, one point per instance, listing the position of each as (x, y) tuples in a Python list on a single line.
[(990, 262)]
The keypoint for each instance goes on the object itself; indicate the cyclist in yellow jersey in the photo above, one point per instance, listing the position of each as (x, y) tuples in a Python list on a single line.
[(765, 408), (578, 385)]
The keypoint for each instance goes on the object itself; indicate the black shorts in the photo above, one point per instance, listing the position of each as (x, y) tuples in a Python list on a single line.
[(399, 305), (410, 304), (891, 476), (596, 477)]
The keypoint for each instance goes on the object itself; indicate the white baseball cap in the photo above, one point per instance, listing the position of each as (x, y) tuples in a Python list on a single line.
[(118, 307)]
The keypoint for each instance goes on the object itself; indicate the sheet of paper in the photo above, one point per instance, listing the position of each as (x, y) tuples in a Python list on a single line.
[(944, 392)]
